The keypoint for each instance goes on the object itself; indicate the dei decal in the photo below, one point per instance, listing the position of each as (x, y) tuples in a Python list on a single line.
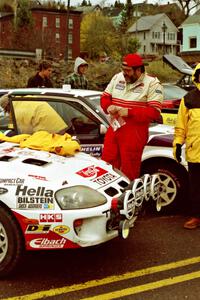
[(97, 175), (36, 228), (34, 198)]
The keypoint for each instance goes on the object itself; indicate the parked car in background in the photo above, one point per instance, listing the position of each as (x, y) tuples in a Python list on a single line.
[(178, 64), (86, 120), (172, 98)]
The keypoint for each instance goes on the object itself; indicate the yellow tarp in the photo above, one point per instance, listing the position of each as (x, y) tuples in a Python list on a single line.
[(42, 140)]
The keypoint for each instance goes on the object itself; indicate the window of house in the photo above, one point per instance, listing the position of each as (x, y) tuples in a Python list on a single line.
[(69, 53), (70, 23), (44, 22), (57, 37), (57, 22), (156, 35), (171, 36), (193, 42), (70, 38), (144, 35)]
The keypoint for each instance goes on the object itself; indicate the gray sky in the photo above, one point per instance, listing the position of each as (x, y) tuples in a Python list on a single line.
[(107, 2)]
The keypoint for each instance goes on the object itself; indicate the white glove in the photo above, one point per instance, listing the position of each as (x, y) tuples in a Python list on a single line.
[(113, 109), (123, 112)]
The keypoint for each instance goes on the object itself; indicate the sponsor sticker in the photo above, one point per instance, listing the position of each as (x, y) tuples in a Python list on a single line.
[(91, 172), (38, 228), (34, 198), (94, 150), (50, 218), (45, 243), (11, 181), (38, 177), (104, 179), (61, 229)]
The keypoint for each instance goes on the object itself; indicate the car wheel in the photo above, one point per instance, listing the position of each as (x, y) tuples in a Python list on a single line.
[(11, 243), (174, 185)]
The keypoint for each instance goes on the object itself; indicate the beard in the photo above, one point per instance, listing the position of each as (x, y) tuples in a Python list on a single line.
[(130, 79)]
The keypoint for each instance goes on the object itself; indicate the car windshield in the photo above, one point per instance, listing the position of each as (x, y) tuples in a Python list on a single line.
[(173, 92)]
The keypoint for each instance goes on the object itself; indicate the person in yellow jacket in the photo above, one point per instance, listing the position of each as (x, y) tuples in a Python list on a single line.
[(187, 130), (33, 116)]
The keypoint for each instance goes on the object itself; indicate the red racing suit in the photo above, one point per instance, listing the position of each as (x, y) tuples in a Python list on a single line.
[(123, 147)]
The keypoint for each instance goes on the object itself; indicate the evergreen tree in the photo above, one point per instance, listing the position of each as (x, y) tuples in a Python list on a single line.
[(127, 16)]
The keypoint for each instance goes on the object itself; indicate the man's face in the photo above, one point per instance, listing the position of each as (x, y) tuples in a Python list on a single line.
[(130, 74), (47, 72)]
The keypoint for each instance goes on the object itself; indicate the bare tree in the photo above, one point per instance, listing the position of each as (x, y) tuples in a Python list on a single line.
[(188, 5)]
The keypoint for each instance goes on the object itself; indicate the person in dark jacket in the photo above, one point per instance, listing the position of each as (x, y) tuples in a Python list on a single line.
[(42, 77)]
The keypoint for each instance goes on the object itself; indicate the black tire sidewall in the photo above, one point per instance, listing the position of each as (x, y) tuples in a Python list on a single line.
[(15, 243), (179, 176)]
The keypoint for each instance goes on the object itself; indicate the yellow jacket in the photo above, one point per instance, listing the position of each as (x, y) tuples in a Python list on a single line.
[(43, 140), (187, 129)]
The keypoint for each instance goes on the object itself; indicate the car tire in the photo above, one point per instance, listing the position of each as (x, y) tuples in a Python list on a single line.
[(11, 243), (174, 185)]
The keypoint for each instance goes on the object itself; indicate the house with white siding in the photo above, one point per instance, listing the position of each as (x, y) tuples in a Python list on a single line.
[(157, 35)]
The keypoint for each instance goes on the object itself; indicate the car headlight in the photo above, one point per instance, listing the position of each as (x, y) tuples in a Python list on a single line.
[(78, 197)]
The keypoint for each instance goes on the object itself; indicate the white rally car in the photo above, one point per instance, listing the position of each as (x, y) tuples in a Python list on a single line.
[(48, 201)]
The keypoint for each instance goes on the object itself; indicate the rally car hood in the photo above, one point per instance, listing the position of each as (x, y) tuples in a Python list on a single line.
[(177, 63), (33, 166)]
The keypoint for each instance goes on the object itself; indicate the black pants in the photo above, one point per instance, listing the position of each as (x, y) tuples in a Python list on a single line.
[(194, 182)]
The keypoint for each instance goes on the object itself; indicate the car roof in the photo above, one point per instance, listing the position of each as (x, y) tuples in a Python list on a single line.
[(177, 63), (54, 91)]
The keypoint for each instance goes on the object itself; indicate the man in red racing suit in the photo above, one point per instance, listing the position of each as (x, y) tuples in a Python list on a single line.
[(132, 99)]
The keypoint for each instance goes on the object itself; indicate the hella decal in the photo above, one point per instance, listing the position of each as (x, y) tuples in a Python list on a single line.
[(31, 198), (3, 191), (45, 243)]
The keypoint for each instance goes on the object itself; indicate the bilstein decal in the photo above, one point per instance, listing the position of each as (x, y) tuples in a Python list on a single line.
[(34, 198)]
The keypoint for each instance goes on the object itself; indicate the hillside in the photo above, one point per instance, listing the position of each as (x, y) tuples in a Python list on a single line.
[(15, 72)]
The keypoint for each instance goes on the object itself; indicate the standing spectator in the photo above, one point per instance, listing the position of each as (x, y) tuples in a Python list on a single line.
[(187, 130), (77, 80), (132, 99), (42, 77)]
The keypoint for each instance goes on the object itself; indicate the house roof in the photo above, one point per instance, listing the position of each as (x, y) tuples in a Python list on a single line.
[(192, 19), (112, 11), (145, 23), (88, 9)]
